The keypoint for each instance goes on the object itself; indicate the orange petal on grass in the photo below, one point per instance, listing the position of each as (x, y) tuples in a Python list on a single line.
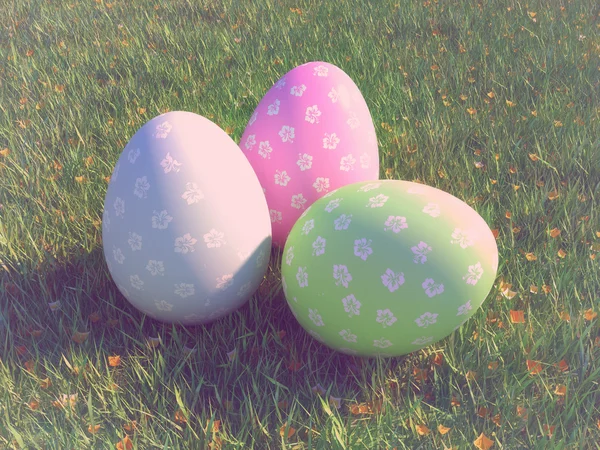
[(283, 404), (482, 411), (561, 253), (495, 233), (565, 316), (562, 365), (471, 375), (530, 256), (547, 289), (130, 427), (80, 338), (45, 383), (114, 361), (438, 359), (423, 430), (522, 412), (517, 316), (34, 404), (442, 429), (534, 367), (561, 389), (125, 444), (291, 431), (554, 232), (180, 417), (483, 442), (548, 429), (93, 429), (553, 195), (589, 314), (29, 365), (496, 419), (454, 402), (493, 365)]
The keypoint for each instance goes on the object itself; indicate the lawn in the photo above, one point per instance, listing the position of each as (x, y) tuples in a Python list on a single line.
[(496, 103)]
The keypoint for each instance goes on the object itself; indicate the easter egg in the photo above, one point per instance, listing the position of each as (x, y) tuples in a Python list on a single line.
[(186, 230), (310, 134), (387, 267)]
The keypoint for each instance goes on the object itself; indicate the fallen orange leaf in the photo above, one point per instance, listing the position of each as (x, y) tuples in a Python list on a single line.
[(93, 429), (482, 411), (438, 359), (533, 289), (562, 365), (549, 429), (125, 444), (522, 412), (114, 361), (554, 232), (45, 383), (496, 419), (34, 404), (534, 367), (282, 404), (493, 365), (483, 442), (180, 417), (517, 316), (442, 429), (565, 316), (290, 432), (423, 430), (29, 365), (553, 195), (530, 256), (454, 402), (547, 289), (561, 389), (561, 253), (80, 338), (590, 314), (131, 426)]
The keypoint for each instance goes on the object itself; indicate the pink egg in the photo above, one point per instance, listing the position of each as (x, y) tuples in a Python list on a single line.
[(310, 134)]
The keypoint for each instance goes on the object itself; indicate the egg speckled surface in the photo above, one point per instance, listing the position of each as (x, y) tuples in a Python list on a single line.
[(310, 134), (186, 229), (387, 267)]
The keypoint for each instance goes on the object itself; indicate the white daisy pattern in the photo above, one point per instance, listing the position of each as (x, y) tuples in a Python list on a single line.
[(347, 163), (362, 248), (185, 244), (184, 290), (136, 282), (273, 108), (289, 255), (132, 156), (353, 121), (155, 267), (302, 277), (320, 71), (282, 178), (426, 319), (341, 275), (118, 255), (351, 305), (342, 222), (316, 318), (378, 201), (141, 187), (420, 251), (253, 118), (287, 134), (385, 317), (119, 207), (280, 83), (392, 280), (319, 246), (395, 224), (250, 142), (134, 241), (275, 216), (245, 289), (432, 288), (163, 305), (463, 238), (381, 343), (321, 184), (348, 336), (308, 226), (330, 141), (161, 219), (333, 204), (225, 281), (304, 161), (464, 309), (312, 114), (433, 209), (365, 161), (369, 187), (423, 340), (265, 149), (169, 164), (298, 90), (333, 95), (214, 238), (163, 130), (474, 275), (192, 193), (298, 201)]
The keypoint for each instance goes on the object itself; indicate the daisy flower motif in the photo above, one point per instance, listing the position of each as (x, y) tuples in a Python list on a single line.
[(347, 336), (351, 305), (304, 161), (420, 252), (475, 273), (170, 164), (132, 156), (185, 244), (135, 241), (342, 222), (184, 290), (392, 280), (118, 255), (362, 248), (302, 277), (141, 187), (464, 309), (330, 141), (463, 238), (253, 118), (395, 223), (163, 305), (282, 178), (192, 193), (319, 246), (347, 163), (225, 281), (163, 130), (308, 226), (289, 255), (432, 288), (265, 149), (426, 319), (365, 161), (298, 90), (333, 204), (312, 114), (341, 275), (286, 134), (214, 238), (333, 95), (275, 216), (353, 122), (280, 83), (273, 109), (136, 282), (385, 317), (381, 343), (316, 318), (378, 201), (250, 142), (321, 184), (155, 267), (432, 209), (424, 340), (298, 201), (119, 207), (320, 71), (369, 187), (161, 219)]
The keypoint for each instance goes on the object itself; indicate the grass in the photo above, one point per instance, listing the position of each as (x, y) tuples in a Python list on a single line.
[(494, 102)]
